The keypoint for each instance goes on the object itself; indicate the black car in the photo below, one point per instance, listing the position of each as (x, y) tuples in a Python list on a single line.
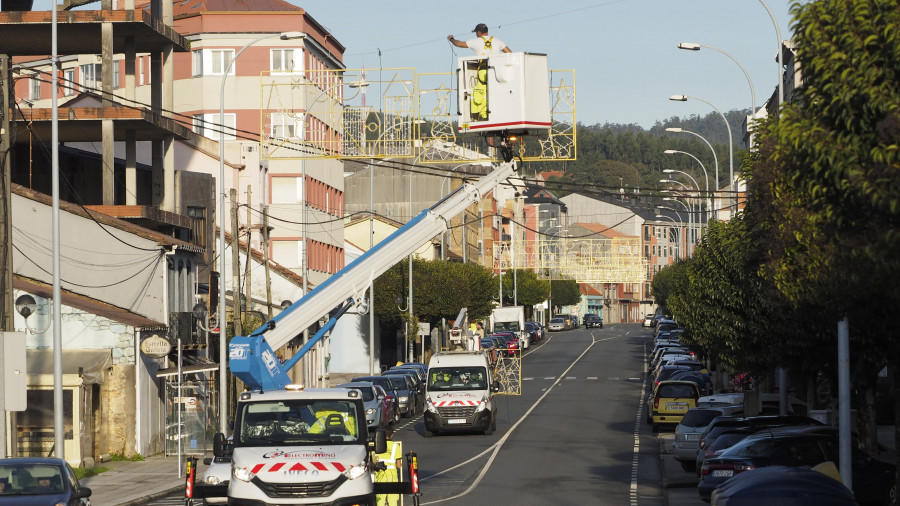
[(40, 481), (592, 320), (789, 486), (873, 480)]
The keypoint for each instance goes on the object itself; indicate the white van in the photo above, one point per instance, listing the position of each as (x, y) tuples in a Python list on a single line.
[(459, 395)]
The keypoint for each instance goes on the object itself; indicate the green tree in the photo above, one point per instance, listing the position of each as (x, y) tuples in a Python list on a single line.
[(565, 292), (528, 288)]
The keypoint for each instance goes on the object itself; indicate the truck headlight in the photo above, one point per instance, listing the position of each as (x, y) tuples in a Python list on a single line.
[(212, 480), (482, 405), (430, 406), (242, 473), (356, 471)]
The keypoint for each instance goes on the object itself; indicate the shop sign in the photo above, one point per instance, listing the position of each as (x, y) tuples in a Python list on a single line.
[(156, 347)]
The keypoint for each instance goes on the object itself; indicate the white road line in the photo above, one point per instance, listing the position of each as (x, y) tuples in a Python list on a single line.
[(499, 444), (633, 495)]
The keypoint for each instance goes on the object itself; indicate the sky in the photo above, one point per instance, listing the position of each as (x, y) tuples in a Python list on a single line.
[(624, 52)]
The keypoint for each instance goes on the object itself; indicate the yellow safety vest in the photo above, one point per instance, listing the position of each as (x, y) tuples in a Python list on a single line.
[(391, 472)]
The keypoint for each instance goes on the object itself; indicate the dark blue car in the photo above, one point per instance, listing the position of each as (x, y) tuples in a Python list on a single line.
[(33, 481)]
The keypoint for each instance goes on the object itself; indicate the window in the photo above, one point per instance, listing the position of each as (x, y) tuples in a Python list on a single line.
[(209, 125), (220, 59), (68, 84), (115, 75), (284, 126), (90, 76), (286, 60), (35, 88), (287, 190), (197, 62), (140, 70)]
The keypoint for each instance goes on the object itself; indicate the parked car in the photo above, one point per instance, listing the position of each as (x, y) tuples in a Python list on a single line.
[(407, 391), (413, 374), (874, 481), (377, 414), (724, 423), (534, 331), (538, 327), (703, 381), (670, 401), (792, 486), (648, 320), (720, 443), (592, 320), (37, 481), (388, 386), (420, 370), (217, 474), (510, 343), (556, 325), (687, 435)]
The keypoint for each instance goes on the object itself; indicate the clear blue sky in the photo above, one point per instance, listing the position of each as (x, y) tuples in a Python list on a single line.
[(623, 51)]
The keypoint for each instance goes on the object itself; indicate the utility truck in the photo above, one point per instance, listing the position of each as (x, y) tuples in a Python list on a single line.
[(293, 445)]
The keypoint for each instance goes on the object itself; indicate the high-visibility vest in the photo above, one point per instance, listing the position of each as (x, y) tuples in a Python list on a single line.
[(390, 473)]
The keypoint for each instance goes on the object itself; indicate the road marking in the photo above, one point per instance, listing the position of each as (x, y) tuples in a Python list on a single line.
[(495, 448), (633, 495)]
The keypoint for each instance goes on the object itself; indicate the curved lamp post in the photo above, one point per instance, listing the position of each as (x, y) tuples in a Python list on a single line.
[(658, 216), (705, 175), (684, 98), (693, 46), (690, 212), (715, 159), (223, 345)]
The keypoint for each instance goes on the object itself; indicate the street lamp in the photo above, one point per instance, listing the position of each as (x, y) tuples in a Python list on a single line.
[(690, 222), (671, 171), (659, 216), (223, 345), (693, 46), (684, 98), (715, 159)]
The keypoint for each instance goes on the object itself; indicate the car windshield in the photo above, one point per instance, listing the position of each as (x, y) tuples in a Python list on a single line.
[(30, 479), (557, 320), (398, 382), (676, 391), (298, 421), (368, 394), (456, 378), (506, 327)]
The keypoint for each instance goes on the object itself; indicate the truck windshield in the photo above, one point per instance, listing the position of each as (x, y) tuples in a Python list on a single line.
[(506, 327), (297, 422), (442, 379)]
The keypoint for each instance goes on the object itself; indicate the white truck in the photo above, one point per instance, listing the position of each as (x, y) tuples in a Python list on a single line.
[(311, 446), (459, 394), (511, 319)]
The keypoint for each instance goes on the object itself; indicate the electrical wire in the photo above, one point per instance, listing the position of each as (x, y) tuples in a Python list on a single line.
[(153, 262)]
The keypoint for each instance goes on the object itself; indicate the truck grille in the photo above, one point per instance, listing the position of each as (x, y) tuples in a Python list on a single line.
[(457, 411), (300, 490)]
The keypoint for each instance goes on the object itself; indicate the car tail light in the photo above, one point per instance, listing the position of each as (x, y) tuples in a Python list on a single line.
[(656, 403), (709, 453)]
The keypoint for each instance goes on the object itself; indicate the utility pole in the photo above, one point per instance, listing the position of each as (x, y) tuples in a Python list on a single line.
[(249, 249), (265, 225), (6, 289), (235, 266)]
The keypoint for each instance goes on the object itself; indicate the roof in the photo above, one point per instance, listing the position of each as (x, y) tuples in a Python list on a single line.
[(604, 230), (588, 289)]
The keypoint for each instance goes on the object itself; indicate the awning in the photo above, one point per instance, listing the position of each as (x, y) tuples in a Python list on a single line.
[(89, 364), (190, 365)]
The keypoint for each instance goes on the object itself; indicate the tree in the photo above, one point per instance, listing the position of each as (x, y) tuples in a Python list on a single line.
[(528, 288), (565, 292)]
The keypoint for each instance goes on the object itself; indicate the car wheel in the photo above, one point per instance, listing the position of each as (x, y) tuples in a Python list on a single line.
[(891, 499), (688, 466), (491, 428), (428, 433)]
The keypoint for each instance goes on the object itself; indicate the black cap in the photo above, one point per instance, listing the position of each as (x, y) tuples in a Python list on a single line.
[(481, 27)]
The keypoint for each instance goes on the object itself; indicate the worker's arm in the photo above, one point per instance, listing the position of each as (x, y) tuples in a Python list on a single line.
[(457, 43)]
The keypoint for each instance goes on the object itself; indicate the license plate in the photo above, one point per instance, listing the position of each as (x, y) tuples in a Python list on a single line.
[(692, 437), (722, 473), (671, 406), (456, 420)]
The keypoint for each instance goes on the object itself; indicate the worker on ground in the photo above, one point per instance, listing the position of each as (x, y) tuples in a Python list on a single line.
[(483, 44), (387, 466)]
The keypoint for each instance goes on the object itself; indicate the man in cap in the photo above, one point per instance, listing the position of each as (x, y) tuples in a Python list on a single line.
[(483, 44)]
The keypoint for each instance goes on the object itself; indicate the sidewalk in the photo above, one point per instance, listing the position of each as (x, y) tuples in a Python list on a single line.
[(130, 483)]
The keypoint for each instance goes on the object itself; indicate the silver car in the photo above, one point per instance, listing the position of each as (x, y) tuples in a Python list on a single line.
[(687, 435), (375, 415), (556, 325)]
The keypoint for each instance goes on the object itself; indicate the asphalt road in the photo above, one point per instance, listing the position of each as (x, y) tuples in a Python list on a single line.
[(575, 435)]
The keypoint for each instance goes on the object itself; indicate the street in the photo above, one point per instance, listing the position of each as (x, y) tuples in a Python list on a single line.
[(575, 435)]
